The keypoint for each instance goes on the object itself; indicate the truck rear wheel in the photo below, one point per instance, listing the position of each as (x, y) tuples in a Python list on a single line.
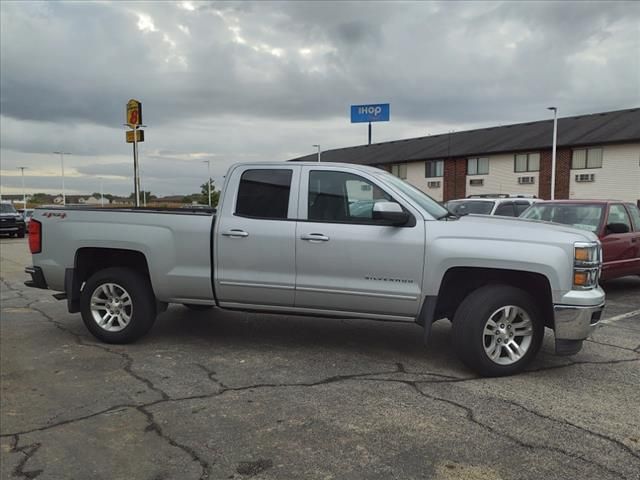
[(118, 305), (497, 330)]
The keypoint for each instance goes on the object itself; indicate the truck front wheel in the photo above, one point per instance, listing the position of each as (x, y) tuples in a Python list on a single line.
[(497, 330), (118, 305)]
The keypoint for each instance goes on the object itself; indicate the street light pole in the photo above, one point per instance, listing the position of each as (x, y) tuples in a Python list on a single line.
[(24, 193), (553, 152), (62, 154), (319, 151), (208, 162), (209, 180)]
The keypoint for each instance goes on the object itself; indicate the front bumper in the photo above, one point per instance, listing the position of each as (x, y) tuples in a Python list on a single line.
[(573, 322), (18, 227)]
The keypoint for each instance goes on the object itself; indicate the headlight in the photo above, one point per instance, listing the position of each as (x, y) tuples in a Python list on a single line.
[(587, 262)]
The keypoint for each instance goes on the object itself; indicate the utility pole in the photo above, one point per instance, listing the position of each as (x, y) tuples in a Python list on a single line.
[(24, 193), (62, 154), (208, 162), (319, 151), (553, 152)]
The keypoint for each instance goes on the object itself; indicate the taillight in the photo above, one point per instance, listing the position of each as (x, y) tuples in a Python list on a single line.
[(35, 236)]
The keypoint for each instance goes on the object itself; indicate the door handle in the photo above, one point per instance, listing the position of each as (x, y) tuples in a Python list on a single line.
[(314, 237), (235, 233)]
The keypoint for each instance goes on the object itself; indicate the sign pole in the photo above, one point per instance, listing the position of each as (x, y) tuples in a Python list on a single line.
[(369, 133), (134, 121), (136, 178)]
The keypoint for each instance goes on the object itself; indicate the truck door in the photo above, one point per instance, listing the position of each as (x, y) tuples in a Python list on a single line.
[(347, 261), (634, 213), (618, 248), (255, 237)]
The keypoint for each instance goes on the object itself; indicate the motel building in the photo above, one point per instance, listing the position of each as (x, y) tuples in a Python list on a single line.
[(597, 157)]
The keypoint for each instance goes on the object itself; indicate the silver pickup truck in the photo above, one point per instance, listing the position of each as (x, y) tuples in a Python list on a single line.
[(331, 240)]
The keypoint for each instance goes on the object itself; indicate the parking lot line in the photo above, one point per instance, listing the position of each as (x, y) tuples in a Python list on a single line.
[(620, 317)]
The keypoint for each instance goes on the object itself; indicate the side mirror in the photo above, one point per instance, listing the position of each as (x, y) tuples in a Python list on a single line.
[(617, 228), (390, 213)]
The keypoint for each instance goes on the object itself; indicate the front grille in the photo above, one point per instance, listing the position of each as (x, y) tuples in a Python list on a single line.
[(7, 222)]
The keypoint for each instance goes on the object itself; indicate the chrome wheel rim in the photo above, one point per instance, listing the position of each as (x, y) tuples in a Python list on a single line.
[(507, 335), (111, 307)]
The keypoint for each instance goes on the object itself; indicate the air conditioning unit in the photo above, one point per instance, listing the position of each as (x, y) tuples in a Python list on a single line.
[(585, 177), (476, 182), (365, 187), (526, 180), (433, 184)]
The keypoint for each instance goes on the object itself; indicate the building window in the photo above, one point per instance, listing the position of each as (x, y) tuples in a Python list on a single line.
[(586, 158), (527, 162), (526, 180), (477, 166), (585, 177), (433, 168), (399, 170)]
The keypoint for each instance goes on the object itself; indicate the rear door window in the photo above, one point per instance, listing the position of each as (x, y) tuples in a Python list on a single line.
[(521, 207), (264, 194), (505, 209), (618, 214), (635, 216)]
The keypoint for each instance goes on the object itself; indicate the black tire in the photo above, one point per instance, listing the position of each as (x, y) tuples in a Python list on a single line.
[(21, 234), (143, 305), (469, 325), (197, 308)]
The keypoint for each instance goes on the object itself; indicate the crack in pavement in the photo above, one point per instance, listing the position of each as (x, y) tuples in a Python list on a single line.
[(210, 374), (610, 345), (79, 339), (27, 451), (471, 416), (30, 450), (155, 427)]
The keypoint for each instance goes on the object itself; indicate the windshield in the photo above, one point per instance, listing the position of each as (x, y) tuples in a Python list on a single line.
[(463, 207), (7, 208), (585, 217), (422, 199)]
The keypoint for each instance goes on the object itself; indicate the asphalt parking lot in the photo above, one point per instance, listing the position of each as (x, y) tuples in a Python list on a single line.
[(233, 395)]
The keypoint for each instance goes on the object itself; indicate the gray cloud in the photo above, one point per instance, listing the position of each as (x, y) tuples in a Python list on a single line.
[(265, 80)]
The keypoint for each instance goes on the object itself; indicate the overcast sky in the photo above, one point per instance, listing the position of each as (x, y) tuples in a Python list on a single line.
[(229, 82)]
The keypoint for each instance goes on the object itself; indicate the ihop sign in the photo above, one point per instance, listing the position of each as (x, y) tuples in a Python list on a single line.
[(370, 113)]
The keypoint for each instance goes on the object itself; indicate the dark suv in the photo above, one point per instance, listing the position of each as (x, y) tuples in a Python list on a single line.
[(11, 222)]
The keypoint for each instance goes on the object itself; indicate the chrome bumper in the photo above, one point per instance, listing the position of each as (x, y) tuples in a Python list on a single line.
[(573, 322)]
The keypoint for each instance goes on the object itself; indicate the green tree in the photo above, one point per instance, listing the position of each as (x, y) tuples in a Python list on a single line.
[(204, 194)]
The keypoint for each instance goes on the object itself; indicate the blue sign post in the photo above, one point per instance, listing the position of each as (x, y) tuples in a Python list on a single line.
[(370, 113)]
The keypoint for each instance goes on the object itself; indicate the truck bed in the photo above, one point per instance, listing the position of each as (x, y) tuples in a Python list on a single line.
[(176, 244)]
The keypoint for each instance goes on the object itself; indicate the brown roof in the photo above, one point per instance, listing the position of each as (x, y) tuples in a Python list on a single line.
[(621, 126)]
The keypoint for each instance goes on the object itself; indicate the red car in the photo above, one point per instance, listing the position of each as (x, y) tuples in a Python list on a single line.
[(616, 223)]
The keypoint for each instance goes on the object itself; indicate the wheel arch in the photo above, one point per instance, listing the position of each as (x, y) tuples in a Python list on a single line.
[(89, 260), (458, 282)]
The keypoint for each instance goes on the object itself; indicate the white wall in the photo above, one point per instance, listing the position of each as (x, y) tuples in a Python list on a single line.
[(618, 179), (502, 178), (415, 176)]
